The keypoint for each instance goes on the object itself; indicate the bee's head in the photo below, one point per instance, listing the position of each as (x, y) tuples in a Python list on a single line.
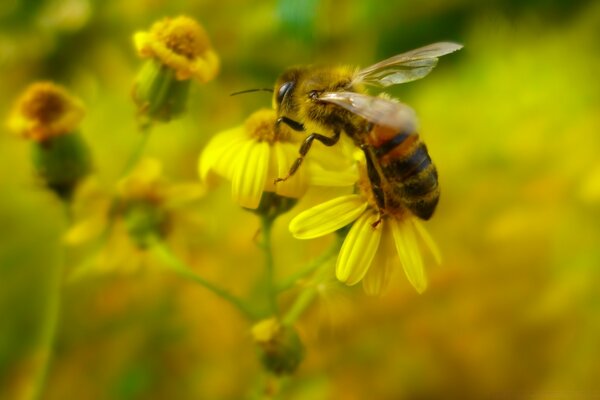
[(285, 88)]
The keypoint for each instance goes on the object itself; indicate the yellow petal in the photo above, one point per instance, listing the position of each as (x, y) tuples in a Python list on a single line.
[(429, 242), (218, 153), (327, 217), (319, 176), (250, 174), (359, 249), (85, 230), (183, 193), (295, 186), (378, 276), (408, 250)]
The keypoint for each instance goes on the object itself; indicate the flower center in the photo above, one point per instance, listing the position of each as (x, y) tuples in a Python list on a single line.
[(44, 103), (261, 126), (182, 35)]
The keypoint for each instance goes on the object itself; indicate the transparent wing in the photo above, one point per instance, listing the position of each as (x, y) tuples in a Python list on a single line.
[(406, 67), (379, 110)]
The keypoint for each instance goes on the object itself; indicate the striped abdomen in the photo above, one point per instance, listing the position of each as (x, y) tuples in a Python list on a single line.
[(408, 170)]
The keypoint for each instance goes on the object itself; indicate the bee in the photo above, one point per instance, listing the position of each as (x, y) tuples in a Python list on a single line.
[(334, 100)]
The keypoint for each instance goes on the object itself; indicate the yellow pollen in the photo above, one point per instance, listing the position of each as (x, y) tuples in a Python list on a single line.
[(182, 35), (261, 126), (44, 102)]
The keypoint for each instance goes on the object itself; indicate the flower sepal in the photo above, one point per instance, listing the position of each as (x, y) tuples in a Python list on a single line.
[(157, 93), (282, 349), (61, 162)]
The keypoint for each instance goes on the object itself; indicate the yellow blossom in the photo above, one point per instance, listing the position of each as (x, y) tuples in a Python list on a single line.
[(145, 205), (181, 44), (253, 155), (45, 110), (374, 244)]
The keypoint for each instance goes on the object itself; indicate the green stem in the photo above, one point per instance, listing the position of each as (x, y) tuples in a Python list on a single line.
[(160, 249), (310, 267), (49, 329), (266, 230), (302, 302), (134, 157), (52, 314)]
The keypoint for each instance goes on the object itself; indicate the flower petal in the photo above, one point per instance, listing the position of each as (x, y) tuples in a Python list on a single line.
[(218, 153), (180, 194), (408, 250), (327, 217), (359, 249), (429, 242), (250, 174), (378, 276)]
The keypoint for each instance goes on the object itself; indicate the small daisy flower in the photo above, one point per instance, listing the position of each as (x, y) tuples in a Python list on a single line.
[(177, 49), (49, 116), (45, 110), (253, 155), (144, 206), (181, 44), (375, 243)]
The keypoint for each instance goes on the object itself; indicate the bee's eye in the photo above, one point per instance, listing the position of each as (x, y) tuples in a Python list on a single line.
[(283, 89)]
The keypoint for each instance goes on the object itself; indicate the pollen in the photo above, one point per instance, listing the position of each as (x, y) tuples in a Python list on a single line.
[(182, 35), (182, 45), (45, 110), (261, 126)]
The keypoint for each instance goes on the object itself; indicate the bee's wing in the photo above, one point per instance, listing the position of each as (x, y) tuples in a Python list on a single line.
[(405, 67), (379, 110)]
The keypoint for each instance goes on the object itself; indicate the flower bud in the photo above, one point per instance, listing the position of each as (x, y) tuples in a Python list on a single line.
[(177, 49), (272, 205), (49, 116), (62, 162), (145, 221), (282, 349)]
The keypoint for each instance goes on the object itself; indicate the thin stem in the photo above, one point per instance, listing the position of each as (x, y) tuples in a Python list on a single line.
[(134, 157), (49, 329), (266, 228), (310, 267), (302, 302), (52, 314), (162, 251)]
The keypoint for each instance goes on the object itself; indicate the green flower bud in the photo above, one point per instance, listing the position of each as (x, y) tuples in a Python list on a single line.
[(62, 161), (272, 205), (145, 220), (158, 94), (282, 349)]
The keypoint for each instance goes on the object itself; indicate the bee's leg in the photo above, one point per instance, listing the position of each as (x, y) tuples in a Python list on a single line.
[(297, 126), (326, 140), (375, 180)]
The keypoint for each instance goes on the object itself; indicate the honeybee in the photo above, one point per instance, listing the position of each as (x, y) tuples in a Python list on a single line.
[(334, 100)]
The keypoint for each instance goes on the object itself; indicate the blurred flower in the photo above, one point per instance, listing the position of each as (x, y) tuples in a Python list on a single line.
[(178, 49), (45, 110), (181, 44), (144, 207), (253, 155), (374, 244), (281, 346), (49, 116)]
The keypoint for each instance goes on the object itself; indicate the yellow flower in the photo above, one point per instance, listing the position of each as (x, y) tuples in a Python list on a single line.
[(253, 155), (373, 246), (144, 206), (181, 44), (45, 110)]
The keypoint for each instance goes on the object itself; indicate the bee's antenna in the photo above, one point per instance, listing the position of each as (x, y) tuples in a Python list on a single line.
[(252, 90)]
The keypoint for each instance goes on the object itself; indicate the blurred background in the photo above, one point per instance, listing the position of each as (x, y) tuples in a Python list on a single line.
[(512, 122)]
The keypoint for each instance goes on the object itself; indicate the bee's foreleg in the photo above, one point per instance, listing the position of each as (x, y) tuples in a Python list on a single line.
[(306, 144), (295, 125)]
